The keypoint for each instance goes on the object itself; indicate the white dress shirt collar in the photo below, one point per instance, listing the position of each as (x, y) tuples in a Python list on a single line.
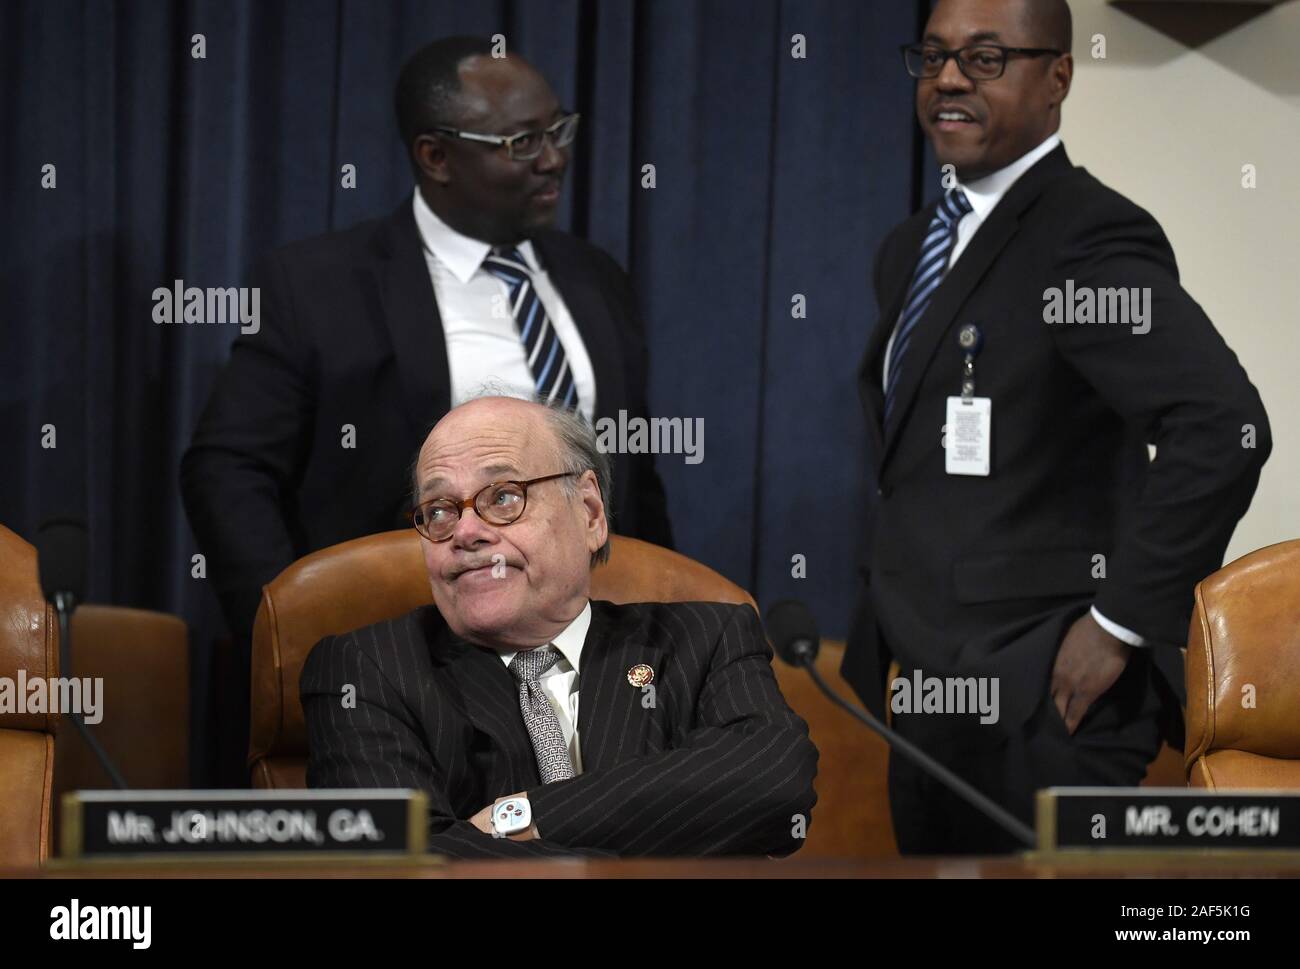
[(460, 253), (985, 193), (569, 642)]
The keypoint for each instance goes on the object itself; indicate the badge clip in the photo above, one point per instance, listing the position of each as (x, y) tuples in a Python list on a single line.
[(971, 341)]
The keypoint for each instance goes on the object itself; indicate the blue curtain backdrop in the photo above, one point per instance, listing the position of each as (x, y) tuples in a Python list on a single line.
[(775, 176)]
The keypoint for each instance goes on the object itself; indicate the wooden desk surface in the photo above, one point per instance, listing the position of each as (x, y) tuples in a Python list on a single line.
[(1147, 865)]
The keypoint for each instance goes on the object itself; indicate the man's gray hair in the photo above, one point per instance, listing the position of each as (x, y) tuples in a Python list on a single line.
[(579, 453)]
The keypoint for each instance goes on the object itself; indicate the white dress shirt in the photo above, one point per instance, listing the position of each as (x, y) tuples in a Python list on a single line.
[(984, 194), (484, 349), (561, 681)]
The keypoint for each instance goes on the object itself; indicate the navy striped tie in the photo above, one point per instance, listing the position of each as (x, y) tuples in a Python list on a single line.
[(929, 272), (551, 374)]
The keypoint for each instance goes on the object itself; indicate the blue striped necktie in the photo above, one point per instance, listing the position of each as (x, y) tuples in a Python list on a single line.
[(929, 272), (552, 377)]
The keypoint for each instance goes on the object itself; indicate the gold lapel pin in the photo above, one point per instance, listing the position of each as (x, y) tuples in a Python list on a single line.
[(640, 675)]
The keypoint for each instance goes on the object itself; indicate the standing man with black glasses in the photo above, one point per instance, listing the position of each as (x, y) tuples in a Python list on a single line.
[(371, 334), (1033, 339)]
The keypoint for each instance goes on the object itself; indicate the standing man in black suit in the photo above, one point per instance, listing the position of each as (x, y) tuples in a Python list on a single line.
[(540, 722), (373, 333), (1033, 339)]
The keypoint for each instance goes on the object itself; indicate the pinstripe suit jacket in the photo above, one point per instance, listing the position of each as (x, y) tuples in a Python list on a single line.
[(719, 764)]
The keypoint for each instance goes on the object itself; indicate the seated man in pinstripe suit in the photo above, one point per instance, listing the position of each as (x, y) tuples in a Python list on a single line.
[(539, 722)]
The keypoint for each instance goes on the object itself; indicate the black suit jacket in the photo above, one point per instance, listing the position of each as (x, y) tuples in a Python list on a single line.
[(350, 335), (717, 764), (982, 576)]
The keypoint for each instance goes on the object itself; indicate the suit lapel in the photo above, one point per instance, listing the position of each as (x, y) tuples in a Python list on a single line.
[(491, 703), (410, 312), (577, 286), (891, 304), (956, 288), (612, 722)]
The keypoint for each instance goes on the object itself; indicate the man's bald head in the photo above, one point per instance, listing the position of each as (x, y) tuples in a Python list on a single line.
[(517, 584), (576, 447)]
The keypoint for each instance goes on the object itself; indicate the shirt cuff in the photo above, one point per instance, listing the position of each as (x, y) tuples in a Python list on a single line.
[(1118, 631)]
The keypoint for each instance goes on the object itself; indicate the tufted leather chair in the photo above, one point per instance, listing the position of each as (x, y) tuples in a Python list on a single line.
[(378, 577), (29, 641), (1243, 674)]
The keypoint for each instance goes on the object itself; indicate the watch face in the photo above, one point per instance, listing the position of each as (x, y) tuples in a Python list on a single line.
[(511, 810), (512, 815)]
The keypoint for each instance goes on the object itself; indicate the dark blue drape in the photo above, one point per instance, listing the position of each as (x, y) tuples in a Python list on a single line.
[(776, 176)]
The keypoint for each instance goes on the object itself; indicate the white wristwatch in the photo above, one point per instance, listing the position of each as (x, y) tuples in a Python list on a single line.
[(510, 815)]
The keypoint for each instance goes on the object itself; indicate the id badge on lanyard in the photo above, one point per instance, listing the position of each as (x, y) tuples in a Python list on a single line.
[(968, 433)]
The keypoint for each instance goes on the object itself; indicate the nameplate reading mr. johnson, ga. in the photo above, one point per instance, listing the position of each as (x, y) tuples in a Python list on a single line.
[(1167, 817), (100, 824)]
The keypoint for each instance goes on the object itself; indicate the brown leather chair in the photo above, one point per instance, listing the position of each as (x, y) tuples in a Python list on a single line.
[(29, 640), (1243, 674), (143, 658), (851, 819), (380, 576)]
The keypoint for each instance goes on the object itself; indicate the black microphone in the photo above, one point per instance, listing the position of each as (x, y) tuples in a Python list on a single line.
[(61, 556), (61, 560), (793, 632)]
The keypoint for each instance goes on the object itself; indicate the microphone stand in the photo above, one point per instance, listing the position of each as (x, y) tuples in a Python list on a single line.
[(63, 605), (804, 653)]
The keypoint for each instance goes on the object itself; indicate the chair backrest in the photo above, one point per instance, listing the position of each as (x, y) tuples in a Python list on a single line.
[(370, 579), (29, 641), (1243, 674), (143, 659)]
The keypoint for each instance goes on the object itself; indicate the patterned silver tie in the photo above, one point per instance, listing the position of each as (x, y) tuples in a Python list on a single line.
[(539, 716)]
